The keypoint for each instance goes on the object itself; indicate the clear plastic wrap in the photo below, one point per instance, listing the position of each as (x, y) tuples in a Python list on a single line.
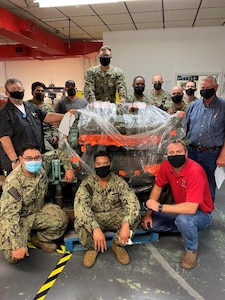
[(136, 135)]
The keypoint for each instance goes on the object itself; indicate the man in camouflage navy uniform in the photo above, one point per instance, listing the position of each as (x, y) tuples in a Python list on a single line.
[(51, 134), (103, 81), (178, 104), (104, 202), (158, 96), (22, 205), (139, 87)]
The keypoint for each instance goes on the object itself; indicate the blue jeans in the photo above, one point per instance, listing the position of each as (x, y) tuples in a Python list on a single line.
[(207, 160), (187, 225)]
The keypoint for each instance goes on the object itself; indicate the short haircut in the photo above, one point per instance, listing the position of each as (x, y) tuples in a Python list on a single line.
[(37, 83), (27, 146), (190, 81), (102, 153), (11, 81), (135, 78), (178, 142), (210, 77), (105, 47)]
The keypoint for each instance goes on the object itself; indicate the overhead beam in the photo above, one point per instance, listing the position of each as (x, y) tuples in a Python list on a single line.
[(37, 43)]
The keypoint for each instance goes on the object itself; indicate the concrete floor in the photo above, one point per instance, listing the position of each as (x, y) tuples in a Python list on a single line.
[(154, 272)]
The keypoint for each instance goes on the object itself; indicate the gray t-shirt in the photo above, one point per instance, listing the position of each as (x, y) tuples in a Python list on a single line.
[(65, 104)]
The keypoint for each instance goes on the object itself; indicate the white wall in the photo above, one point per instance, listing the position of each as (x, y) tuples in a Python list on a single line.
[(142, 52), (168, 51), (56, 71)]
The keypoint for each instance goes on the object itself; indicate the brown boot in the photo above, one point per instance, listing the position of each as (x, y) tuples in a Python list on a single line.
[(90, 258), (44, 246), (189, 259), (121, 254)]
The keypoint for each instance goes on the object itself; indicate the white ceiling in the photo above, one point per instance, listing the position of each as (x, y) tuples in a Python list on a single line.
[(88, 22)]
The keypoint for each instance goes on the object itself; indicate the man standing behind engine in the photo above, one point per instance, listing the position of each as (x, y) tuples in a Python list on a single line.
[(72, 101), (50, 131), (158, 96), (103, 81)]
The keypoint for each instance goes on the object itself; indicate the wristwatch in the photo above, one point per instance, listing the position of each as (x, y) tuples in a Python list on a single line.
[(14, 160), (160, 207)]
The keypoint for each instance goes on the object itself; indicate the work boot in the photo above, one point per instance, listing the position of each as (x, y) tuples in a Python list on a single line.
[(121, 254), (189, 259), (90, 258), (180, 239), (44, 246)]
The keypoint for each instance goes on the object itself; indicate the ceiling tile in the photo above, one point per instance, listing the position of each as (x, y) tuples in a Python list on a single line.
[(209, 22), (187, 14), (213, 3), (147, 17), (177, 24), (77, 11), (212, 13), (110, 8), (180, 4), (144, 6), (92, 29), (116, 18), (84, 21), (121, 27), (150, 25)]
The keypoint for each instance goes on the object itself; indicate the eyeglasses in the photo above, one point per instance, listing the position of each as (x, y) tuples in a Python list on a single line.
[(36, 158)]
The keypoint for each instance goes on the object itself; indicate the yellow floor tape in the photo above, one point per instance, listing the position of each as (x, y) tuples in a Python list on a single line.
[(42, 292)]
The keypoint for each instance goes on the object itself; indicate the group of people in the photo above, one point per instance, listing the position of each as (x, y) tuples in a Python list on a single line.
[(104, 201)]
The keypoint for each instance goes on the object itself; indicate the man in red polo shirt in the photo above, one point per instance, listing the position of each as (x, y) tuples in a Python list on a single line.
[(193, 202)]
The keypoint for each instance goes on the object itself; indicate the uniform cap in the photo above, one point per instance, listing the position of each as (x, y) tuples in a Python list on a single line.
[(69, 83)]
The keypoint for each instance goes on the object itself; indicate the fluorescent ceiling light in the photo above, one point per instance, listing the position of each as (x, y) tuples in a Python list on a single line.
[(56, 3)]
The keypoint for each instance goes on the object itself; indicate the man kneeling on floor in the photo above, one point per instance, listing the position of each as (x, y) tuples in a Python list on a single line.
[(104, 202), (193, 202), (22, 207)]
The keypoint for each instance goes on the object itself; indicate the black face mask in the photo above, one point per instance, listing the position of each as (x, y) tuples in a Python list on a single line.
[(177, 98), (17, 95), (104, 61), (190, 92), (40, 96), (103, 172), (177, 160), (139, 89), (157, 86), (71, 92), (207, 93)]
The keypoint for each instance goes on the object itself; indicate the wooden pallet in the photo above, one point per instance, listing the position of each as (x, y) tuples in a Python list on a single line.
[(141, 236)]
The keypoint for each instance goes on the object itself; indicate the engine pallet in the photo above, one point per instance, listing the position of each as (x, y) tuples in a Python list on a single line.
[(141, 236)]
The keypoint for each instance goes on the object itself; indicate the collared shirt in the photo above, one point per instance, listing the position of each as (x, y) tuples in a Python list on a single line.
[(21, 128), (206, 124), (190, 185)]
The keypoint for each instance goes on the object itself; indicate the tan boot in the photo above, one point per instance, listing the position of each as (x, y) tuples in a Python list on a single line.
[(90, 258), (121, 254), (189, 259), (44, 246)]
